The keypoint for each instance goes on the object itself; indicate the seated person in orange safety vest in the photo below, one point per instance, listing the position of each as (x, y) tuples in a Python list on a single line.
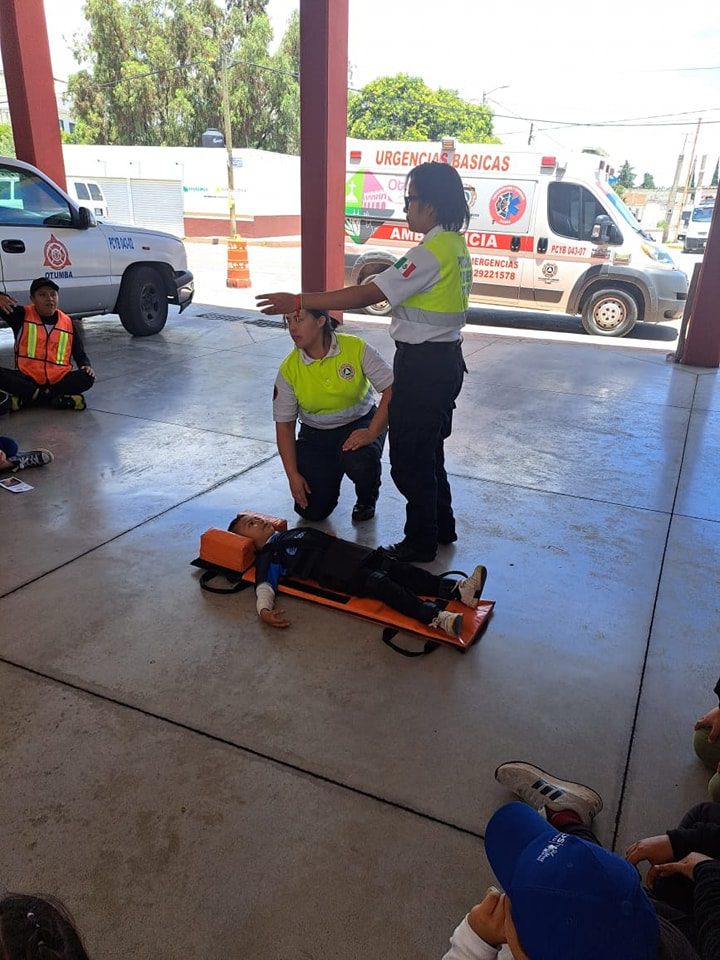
[(361, 571), (46, 342)]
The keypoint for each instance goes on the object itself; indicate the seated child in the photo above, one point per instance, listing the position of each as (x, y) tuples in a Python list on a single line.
[(352, 568), (13, 459), (707, 745)]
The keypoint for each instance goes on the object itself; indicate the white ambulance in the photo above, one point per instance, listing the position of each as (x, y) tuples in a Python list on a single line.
[(100, 267), (696, 232), (546, 232)]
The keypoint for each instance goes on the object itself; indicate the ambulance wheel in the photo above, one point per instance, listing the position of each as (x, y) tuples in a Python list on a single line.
[(609, 313), (381, 309), (142, 304)]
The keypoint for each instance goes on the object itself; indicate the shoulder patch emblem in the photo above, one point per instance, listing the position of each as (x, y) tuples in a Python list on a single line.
[(346, 371)]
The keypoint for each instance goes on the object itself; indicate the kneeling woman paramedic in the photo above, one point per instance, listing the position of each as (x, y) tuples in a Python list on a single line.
[(327, 382), (428, 289)]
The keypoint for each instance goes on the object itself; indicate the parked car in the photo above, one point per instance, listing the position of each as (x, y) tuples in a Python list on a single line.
[(100, 267)]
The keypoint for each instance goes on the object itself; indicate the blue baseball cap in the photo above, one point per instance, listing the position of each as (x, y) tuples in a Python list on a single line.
[(569, 898)]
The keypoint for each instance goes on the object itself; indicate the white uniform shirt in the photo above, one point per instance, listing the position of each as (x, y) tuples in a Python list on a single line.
[(413, 273)]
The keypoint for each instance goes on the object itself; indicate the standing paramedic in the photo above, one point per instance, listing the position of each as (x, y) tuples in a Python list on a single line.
[(428, 289), (327, 383), (46, 343)]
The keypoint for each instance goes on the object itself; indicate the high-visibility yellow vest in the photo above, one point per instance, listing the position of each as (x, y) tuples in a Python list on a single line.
[(446, 302), (333, 391)]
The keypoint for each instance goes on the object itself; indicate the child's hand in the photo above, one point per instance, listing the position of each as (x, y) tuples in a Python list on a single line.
[(274, 618), (653, 849), (487, 919), (711, 722), (685, 867)]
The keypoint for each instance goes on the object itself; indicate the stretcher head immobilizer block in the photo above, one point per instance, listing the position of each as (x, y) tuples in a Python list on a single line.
[(233, 556)]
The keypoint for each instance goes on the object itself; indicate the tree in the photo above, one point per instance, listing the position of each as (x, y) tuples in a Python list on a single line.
[(626, 177), (150, 74), (7, 143), (405, 108), (648, 182), (714, 181)]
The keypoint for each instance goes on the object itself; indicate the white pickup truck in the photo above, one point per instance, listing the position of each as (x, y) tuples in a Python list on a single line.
[(100, 267)]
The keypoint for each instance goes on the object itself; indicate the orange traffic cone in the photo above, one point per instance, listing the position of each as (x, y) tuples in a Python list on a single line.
[(238, 269)]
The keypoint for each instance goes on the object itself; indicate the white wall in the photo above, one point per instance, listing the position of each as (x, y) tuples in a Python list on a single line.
[(266, 184)]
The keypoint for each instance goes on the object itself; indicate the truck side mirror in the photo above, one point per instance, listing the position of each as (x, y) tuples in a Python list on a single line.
[(86, 218), (605, 231)]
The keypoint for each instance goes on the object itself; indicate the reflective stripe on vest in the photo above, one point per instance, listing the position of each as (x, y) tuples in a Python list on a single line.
[(331, 392), (445, 303), (43, 356)]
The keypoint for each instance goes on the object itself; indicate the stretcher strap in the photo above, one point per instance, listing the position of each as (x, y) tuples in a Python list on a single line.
[(390, 632), (209, 575)]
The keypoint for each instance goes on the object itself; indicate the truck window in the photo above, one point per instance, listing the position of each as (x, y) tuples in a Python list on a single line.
[(35, 203), (702, 214), (95, 192), (81, 191), (572, 210)]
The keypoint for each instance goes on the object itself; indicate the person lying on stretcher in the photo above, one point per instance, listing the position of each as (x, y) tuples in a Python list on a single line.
[(353, 569)]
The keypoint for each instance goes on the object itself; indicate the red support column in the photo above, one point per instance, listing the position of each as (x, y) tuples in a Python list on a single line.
[(702, 341), (323, 126), (30, 87)]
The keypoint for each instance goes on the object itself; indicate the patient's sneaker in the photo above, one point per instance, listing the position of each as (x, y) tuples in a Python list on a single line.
[(540, 789), (470, 588), (30, 458), (68, 401), (449, 623)]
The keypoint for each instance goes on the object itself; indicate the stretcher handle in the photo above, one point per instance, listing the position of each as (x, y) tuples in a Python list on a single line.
[(390, 632)]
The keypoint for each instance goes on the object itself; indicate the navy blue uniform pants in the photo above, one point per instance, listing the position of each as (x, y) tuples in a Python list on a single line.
[(323, 463), (428, 379)]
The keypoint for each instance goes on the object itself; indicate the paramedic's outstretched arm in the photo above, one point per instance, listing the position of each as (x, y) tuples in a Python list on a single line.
[(349, 298), (285, 434)]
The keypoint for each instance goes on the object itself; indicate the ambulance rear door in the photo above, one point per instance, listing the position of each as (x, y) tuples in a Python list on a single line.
[(564, 249), (499, 237)]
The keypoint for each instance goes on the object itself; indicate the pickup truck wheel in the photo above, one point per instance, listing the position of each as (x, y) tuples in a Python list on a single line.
[(142, 304), (609, 313), (381, 309)]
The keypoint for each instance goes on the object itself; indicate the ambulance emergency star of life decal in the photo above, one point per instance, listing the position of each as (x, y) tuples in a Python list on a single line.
[(508, 204), (57, 256)]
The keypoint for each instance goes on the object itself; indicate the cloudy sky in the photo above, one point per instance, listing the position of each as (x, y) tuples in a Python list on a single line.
[(632, 78)]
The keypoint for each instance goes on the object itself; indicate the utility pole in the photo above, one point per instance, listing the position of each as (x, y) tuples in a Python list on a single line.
[(530, 135), (690, 168), (228, 134), (670, 212), (699, 181)]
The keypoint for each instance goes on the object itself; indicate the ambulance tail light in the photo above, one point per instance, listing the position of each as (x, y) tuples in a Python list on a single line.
[(548, 163), (355, 156)]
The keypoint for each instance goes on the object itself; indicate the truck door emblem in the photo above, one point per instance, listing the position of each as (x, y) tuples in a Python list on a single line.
[(57, 256)]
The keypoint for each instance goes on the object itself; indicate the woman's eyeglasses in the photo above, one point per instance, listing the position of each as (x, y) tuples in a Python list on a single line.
[(408, 201)]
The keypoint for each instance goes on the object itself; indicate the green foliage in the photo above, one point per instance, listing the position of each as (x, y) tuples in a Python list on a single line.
[(405, 108), (7, 143), (626, 177), (150, 74), (648, 182)]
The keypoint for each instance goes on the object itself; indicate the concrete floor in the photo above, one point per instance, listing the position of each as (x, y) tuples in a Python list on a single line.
[(194, 783)]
